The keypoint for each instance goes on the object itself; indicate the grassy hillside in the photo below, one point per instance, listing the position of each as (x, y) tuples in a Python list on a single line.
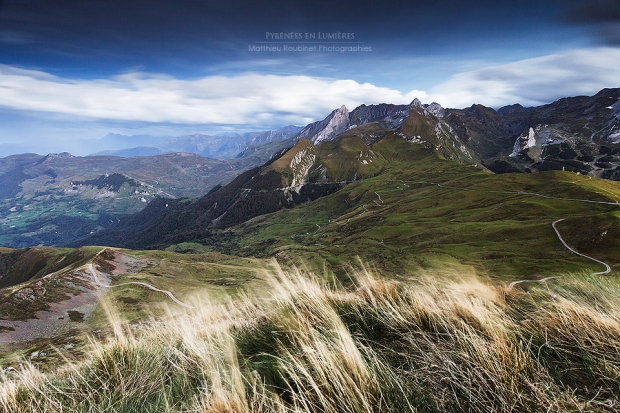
[(404, 302), (50, 297), (422, 344), (422, 211)]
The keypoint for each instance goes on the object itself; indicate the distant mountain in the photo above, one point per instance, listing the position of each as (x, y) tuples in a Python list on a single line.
[(221, 146), (341, 149), (131, 152), (327, 156), (54, 199), (578, 134), (114, 141), (275, 136), (296, 175), (416, 122)]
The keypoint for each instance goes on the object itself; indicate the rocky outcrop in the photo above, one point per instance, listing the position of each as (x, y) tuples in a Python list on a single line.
[(436, 109), (327, 129), (375, 113), (523, 142)]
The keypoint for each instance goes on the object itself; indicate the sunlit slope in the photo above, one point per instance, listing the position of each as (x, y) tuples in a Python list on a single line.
[(58, 296), (297, 175), (425, 344), (425, 211)]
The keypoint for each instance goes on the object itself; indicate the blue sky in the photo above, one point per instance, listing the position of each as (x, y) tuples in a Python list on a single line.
[(74, 70)]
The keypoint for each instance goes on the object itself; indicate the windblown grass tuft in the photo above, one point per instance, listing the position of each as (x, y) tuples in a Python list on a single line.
[(427, 345)]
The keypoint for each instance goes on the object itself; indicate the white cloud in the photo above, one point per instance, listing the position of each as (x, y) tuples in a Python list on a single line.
[(249, 99), (534, 81), (260, 101)]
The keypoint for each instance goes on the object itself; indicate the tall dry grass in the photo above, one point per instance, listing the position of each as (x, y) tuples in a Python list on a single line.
[(425, 345)]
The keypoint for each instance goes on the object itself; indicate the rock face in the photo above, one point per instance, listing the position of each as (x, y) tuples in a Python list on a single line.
[(426, 124), (374, 113), (480, 134), (436, 109), (340, 120), (614, 135), (524, 142), (616, 109), (584, 124), (533, 141), (327, 129), (338, 123), (300, 166), (415, 103)]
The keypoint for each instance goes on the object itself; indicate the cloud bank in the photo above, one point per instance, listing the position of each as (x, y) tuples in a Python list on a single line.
[(533, 82), (261, 100), (245, 99)]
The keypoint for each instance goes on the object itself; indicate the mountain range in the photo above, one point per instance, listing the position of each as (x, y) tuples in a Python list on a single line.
[(81, 196), (392, 244), (53, 199), (343, 149), (221, 146), (390, 193)]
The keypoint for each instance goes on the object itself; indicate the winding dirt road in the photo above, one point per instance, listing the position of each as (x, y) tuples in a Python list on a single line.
[(568, 247), (168, 293), (607, 267)]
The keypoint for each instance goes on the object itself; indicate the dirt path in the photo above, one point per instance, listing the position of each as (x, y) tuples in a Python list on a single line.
[(512, 284), (168, 293), (607, 267)]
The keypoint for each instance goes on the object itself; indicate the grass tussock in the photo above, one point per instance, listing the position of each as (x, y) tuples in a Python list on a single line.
[(427, 345)]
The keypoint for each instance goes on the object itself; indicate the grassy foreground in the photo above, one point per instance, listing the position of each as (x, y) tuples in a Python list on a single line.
[(423, 345)]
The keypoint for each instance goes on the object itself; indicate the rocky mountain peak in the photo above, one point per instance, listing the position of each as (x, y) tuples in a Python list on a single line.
[(516, 108), (436, 109), (616, 109), (60, 155), (416, 103), (327, 129), (338, 122), (373, 113)]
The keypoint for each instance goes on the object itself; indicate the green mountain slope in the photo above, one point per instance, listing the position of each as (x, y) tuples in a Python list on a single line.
[(403, 206), (299, 174), (423, 210)]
